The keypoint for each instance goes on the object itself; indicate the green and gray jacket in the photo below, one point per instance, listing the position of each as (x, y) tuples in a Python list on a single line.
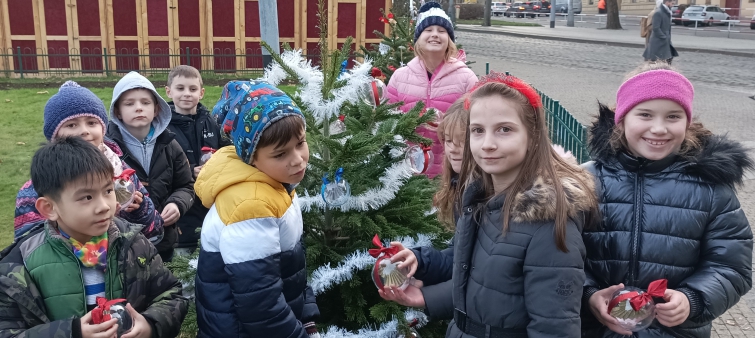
[(42, 288)]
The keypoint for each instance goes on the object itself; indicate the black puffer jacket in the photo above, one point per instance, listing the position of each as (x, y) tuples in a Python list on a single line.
[(170, 180), (517, 283), (676, 218), (193, 133)]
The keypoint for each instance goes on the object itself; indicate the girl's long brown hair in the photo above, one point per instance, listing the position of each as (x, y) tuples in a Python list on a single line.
[(447, 200), (541, 160)]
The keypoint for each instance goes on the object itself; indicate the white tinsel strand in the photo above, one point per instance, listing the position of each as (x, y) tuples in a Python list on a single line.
[(386, 330), (374, 198), (312, 79), (324, 277)]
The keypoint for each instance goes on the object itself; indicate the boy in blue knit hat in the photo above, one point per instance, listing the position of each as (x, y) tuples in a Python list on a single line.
[(251, 276), (76, 111)]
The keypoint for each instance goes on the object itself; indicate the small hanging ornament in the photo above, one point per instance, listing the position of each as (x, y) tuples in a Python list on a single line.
[(206, 154), (435, 121), (124, 188), (419, 157), (413, 328), (338, 126), (109, 309), (634, 308), (386, 273), (383, 48), (373, 93), (335, 193), (343, 69)]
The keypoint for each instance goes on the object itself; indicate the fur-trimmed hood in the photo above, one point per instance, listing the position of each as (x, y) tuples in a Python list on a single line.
[(719, 159), (538, 202)]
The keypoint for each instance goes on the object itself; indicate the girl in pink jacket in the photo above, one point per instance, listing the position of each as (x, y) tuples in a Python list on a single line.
[(435, 76)]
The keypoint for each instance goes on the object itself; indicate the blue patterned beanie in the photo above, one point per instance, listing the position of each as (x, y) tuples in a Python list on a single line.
[(246, 108), (432, 14), (72, 101)]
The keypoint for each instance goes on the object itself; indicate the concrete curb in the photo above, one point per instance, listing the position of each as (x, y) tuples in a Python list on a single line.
[(605, 43)]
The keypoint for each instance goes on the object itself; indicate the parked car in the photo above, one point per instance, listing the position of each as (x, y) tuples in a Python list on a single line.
[(562, 6), (752, 23), (519, 10), (498, 8), (529, 8), (707, 15), (676, 13), (541, 7)]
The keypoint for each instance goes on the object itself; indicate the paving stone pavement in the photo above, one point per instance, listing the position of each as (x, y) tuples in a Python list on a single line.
[(580, 74)]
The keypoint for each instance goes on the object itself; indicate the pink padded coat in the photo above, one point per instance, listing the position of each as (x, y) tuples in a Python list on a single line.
[(410, 84)]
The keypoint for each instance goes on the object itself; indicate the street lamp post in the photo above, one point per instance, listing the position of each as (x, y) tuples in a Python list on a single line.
[(269, 28)]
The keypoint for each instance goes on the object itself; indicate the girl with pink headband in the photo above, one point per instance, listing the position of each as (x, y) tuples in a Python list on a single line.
[(666, 189)]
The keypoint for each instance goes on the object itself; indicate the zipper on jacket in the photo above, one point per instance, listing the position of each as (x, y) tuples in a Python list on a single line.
[(634, 261)]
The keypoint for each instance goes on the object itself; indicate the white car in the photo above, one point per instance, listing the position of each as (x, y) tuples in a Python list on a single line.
[(704, 14), (498, 8)]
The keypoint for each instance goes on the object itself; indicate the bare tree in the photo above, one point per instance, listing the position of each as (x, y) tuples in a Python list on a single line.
[(612, 15)]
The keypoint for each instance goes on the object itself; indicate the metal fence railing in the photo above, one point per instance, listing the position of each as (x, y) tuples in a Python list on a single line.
[(22, 62), (564, 129)]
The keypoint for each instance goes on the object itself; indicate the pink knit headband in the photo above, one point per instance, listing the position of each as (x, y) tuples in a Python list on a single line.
[(654, 85)]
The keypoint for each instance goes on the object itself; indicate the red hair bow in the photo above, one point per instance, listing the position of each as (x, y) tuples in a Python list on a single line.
[(511, 81)]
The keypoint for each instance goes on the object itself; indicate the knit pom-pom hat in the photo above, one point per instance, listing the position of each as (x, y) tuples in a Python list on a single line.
[(432, 14), (72, 101)]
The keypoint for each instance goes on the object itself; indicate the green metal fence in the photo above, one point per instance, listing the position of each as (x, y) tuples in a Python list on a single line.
[(563, 128)]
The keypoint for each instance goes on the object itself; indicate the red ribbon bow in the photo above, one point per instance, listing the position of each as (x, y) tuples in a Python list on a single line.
[(208, 149), (101, 313), (389, 251), (126, 174), (637, 300), (376, 72)]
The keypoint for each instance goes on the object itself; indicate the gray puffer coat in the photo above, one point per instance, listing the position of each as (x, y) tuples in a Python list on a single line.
[(516, 284)]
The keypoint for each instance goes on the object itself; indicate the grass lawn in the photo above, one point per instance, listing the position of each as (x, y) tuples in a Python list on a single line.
[(21, 135), (497, 23)]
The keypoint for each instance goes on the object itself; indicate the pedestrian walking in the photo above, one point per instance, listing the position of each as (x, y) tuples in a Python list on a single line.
[(659, 46), (602, 7)]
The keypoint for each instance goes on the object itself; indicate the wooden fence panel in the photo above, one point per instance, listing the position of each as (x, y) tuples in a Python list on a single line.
[(97, 37)]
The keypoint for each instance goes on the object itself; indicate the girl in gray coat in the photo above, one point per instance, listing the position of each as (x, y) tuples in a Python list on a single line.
[(517, 266), (659, 46)]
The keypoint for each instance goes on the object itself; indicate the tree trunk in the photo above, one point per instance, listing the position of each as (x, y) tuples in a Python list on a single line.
[(612, 15), (487, 13)]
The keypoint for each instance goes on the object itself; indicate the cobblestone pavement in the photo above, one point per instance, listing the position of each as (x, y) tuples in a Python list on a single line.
[(581, 74)]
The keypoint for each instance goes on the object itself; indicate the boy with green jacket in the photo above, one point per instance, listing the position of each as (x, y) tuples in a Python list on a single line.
[(50, 278)]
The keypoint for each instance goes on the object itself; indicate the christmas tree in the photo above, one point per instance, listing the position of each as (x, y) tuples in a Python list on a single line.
[(359, 183), (396, 49)]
